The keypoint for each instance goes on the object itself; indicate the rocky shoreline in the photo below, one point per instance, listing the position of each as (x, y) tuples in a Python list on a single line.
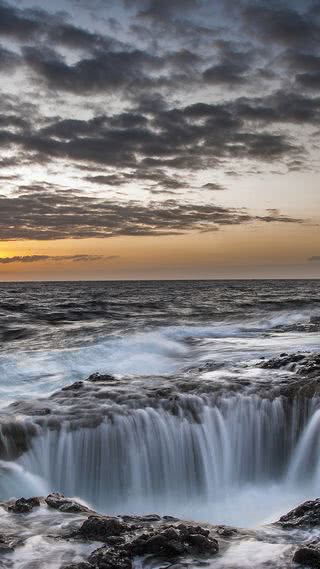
[(126, 542)]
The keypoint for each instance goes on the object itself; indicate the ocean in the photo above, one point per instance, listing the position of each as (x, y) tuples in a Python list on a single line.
[(203, 412)]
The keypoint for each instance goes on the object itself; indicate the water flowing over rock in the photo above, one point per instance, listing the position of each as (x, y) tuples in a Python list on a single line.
[(157, 452)]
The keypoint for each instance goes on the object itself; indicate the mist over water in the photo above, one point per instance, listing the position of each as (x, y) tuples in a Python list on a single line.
[(191, 426)]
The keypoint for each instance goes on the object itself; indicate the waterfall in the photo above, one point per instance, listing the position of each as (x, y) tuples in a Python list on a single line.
[(196, 455)]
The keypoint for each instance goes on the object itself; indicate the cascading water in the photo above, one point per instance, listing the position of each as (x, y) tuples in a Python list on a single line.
[(199, 459)]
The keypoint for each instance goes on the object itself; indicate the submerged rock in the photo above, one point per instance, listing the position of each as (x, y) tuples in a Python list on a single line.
[(304, 516)]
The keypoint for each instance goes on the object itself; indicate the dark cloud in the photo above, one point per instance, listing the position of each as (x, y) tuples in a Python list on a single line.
[(104, 70), (281, 23), (162, 9), (281, 106), (309, 80), (20, 24), (8, 59), (57, 214), (36, 25), (234, 65), (147, 147), (55, 258)]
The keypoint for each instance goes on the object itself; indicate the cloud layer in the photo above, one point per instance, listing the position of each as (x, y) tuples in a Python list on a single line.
[(51, 215), (56, 258), (136, 101)]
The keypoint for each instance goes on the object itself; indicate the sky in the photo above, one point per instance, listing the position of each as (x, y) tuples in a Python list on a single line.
[(159, 139)]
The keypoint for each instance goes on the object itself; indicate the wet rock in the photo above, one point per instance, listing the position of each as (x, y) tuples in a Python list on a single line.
[(304, 516), (102, 528), (226, 531), (60, 502), (308, 555), (284, 360), (138, 521), (23, 505), (5, 544), (173, 542), (106, 558), (201, 544), (207, 366), (8, 543), (74, 386), (101, 377), (303, 363), (159, 545)]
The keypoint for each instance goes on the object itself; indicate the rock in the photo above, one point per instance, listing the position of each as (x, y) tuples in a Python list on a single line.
[(101, 377), (188, 530), (201, 545), (102, 528), (151, 518), (142, 519), (308, 555), (24, 505), (5, 545), (284, 360), (74, 386), (8, 543), (305, 515), (106, 558), (226, 531), (159, 545), (172, 542), (303, 363), (60, 502)]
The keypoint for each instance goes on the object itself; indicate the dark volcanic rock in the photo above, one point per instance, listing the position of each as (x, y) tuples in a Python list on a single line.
[(60, 502), (23, 505), (175, 541), (308, 554), (74, 386), (102, 528), (101, 377), (306, 515), (149, 535), (303, 363), (284, 360), (108, 558)]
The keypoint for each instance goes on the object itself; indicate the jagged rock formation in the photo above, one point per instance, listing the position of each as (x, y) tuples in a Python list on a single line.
[(124, 540)]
